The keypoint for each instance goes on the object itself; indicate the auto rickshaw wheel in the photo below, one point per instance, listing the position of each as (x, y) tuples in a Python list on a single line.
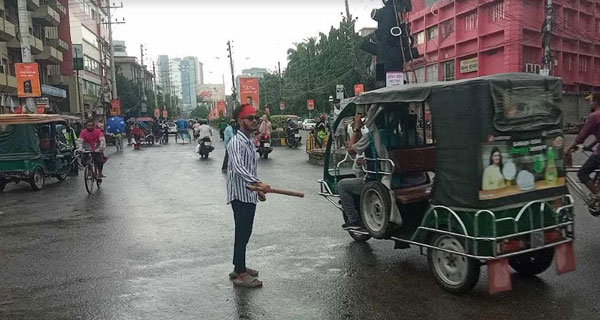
[(376, 207), (37, 179), (61, 177), (454, 273), (359, 237), (532, 263)]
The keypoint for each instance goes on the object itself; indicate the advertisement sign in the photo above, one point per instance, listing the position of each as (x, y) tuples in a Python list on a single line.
[(115, 107), (28, 80), (310, 104), (281, 105), (165, 113), (469, 65), (509, 166), (358, 89), (41, 104), (339, 92), (394, 78), (221, 106), (77, 56), (157, 113), (249, 91)]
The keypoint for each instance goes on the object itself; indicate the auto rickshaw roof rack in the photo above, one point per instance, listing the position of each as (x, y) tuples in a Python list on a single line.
[(7, 119)]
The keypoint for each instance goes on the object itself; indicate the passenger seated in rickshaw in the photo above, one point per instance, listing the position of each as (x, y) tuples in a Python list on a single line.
[(403, 134)]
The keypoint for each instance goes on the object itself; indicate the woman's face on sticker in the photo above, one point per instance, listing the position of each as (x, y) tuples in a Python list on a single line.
[(496, 157)]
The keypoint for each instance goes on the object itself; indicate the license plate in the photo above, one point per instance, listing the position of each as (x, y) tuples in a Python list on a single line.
[(537, 239), (297, 135), (267, 145)]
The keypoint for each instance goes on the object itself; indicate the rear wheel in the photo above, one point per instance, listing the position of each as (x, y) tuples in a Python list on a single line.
[(454, 273), (37, 179), (266, 155), (89, 179), (376, 207), (532, 263)]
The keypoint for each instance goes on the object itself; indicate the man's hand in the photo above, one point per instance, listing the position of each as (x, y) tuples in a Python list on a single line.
[(265, 187), (262, 197), (358, 123)]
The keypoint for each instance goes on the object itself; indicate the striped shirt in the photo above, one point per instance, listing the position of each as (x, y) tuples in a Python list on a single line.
[(241, 169)]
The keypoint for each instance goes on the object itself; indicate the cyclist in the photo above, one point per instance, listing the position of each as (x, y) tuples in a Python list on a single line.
[(591, 127), (93, 137)]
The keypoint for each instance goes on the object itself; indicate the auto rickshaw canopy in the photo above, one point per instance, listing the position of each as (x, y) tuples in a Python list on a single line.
[(515, 116), (6, 119)]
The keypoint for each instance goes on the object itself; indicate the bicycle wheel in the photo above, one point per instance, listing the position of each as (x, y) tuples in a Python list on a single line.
[(89, 178)]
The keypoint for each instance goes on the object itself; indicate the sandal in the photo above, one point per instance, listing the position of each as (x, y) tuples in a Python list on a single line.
[(251, 272), (247, 281)]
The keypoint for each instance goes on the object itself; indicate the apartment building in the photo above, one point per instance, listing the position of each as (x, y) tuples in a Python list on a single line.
[(49, 42), (468, 38), (189, 79)]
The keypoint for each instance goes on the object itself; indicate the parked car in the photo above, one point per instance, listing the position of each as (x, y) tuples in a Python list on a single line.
[(172, 127), (308, 124)]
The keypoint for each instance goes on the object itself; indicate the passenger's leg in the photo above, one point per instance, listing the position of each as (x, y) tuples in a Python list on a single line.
[(592, 163), (347, 189)]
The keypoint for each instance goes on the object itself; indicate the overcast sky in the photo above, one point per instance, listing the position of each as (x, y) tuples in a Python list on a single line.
[(261, 30)]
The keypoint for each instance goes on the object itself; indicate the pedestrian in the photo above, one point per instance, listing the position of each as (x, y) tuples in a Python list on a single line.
[(241, 172), (228, 133)]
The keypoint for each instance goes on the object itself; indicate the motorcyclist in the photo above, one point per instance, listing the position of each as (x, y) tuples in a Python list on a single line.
[(204, 130), (290, 129)]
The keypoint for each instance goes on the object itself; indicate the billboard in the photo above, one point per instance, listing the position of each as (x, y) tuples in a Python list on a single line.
[(310, 104), (28, 80), (249, 91), (115, 107)]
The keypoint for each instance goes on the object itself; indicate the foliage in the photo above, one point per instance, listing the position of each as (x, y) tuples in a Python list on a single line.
[(278, 121), (315, 66), (200, 113), (130, 95)]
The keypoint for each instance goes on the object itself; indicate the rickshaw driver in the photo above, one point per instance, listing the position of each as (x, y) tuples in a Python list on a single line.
[(350, 187), (591, 127), (95, 139)]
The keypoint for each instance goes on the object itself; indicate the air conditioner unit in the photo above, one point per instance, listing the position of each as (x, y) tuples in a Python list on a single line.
[(529, 68), (538, 68)]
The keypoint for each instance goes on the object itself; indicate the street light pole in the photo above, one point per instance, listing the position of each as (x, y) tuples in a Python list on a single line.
[(25, 43)]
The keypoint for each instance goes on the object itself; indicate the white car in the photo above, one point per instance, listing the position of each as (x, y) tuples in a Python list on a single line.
[(308, 124), (172, 127)]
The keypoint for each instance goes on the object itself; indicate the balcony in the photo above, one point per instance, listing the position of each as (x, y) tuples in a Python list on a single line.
[(33, 4), (46, 14), (7, 30), (37, 46), (51, 54), (57, 6), (11, 82), (3, 82), (58, 44)]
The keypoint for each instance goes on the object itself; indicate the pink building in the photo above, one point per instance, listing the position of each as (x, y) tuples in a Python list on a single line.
[(468, 38)]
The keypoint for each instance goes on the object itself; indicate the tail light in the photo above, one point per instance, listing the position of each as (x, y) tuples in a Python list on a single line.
[(552, 236)]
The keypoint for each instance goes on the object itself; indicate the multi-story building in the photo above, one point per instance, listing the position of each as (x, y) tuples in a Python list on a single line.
[(49, 40), (88, 29), (467, 38), (175, 78), (120, 49), (255, 72), (189, 79), (132, 70)]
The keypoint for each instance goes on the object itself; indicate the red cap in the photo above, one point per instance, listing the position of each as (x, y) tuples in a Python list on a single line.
[(247, 110)]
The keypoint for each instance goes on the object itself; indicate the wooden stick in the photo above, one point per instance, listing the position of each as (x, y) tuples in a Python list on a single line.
[(278, 191)]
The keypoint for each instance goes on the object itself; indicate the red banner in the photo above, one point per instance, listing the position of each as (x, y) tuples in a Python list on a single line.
[(281, 105), (165, 114), (28, 80), (249, 91), (310, 104), (115, 107)]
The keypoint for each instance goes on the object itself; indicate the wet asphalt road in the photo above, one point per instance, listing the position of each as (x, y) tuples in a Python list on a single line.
[(155, 242)]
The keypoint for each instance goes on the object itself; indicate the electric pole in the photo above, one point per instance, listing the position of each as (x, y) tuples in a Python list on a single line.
[(547, 40), (113, 76), (348, 15), (280, 79), (233, 93), (25, 44)]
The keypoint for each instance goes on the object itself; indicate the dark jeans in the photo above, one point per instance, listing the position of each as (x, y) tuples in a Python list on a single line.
[(592, 163), (224, 166), (98, 158), (347, 189), (243, 214)]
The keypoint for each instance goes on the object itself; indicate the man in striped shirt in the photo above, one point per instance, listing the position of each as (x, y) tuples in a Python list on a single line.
[(241, 172)]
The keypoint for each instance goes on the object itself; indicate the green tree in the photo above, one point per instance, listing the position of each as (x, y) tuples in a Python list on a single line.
[(129, 94), (200, 113)]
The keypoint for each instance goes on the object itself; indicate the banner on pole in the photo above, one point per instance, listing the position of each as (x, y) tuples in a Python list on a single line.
[(28, 80), (310, 104)]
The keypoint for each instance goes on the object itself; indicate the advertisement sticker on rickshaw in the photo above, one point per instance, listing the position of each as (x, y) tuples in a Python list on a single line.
[(510, 166)]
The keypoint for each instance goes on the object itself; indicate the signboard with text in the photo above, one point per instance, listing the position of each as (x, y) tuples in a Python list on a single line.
[(310, 104), (157, 113), (281, 105), (77, 56), (165, 113), (249, 91), (115, 107), (339, 92), (469, 65), (394, 78), (28, 80)]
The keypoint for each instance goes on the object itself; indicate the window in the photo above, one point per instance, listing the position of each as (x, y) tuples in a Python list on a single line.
[(90, 64), (582, 64), (569, 62), (90, 88), (89, 37), (420, 37), (420, 75), (432, 73), (497, 11), (567, 17), (432, 33), (3, 65), (447, 28), (471, 21), (448, 70)]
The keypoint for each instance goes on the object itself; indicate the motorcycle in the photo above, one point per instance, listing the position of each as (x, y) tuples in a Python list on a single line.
[(204, 147), (264, 147), (165, 135), (293, 137)]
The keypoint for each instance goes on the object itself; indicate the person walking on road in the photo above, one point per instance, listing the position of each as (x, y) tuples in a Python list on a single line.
[(241, 172), (228, 133)]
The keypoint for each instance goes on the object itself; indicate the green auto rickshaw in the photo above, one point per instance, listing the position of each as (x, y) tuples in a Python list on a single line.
[(493, 192), (33, 147)]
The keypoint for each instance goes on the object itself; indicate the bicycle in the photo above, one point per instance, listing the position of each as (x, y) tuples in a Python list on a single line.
[(90, 172), (579, 188)]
